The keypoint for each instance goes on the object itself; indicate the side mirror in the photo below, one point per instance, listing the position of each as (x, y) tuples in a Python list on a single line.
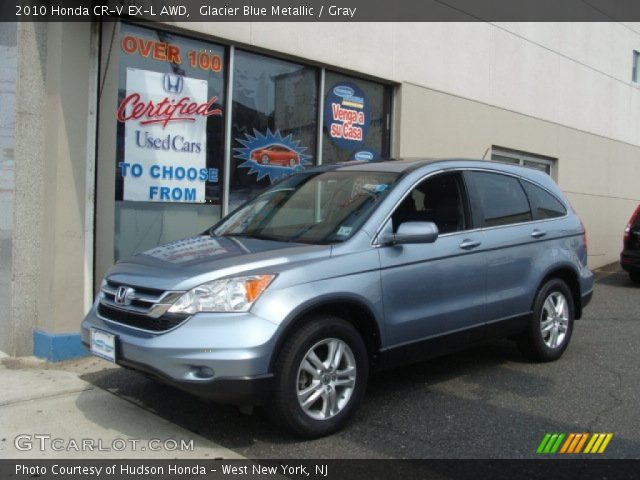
[(412, 232)]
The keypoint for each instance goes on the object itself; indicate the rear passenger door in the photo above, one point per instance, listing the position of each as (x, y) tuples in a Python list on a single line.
[(513, 242)]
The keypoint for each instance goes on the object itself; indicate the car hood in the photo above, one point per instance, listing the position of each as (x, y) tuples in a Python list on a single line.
[(186, 263)]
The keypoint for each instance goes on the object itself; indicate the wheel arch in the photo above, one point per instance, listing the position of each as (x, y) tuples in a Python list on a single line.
[(568, 275), (352, 310)]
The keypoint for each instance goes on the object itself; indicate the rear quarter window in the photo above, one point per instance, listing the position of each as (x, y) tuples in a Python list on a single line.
[(543, 204), (502, 199)]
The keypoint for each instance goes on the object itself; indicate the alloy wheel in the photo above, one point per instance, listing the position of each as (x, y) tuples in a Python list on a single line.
[(554, 320), (326, 379)]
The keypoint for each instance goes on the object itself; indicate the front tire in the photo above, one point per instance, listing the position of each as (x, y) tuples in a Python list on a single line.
[(549, 331), (321, 376), (635, 277)]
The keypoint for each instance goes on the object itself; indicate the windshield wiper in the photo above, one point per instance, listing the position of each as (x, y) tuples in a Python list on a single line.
[(250, 235), (300, 233)]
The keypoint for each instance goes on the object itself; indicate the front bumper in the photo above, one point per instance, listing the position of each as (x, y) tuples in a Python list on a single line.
[(222, 357)]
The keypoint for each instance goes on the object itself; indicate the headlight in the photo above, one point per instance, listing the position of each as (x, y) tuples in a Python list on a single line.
[(226, 295)]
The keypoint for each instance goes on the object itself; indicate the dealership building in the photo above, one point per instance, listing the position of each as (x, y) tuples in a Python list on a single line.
[(118, 137)]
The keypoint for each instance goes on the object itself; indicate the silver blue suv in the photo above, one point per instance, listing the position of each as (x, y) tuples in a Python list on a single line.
[(294, 298)]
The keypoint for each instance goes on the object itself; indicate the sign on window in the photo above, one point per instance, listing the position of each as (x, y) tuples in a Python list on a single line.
[(165, 141)]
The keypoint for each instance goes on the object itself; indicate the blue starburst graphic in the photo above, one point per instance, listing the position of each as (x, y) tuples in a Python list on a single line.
[(271, 155)]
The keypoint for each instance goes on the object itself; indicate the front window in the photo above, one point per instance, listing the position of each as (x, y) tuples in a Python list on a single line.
[(439, 199), (314, 207)]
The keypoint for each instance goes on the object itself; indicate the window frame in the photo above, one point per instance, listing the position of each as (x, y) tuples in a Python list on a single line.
[(474, 209), (477, 211), (534, 205), (278, 185), (467, 192), (520, 157), (389, 93), (478, 207), (322, 68), (230, 139)]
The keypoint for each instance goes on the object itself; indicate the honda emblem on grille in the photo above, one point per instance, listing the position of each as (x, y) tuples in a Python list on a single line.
[(123, 295)]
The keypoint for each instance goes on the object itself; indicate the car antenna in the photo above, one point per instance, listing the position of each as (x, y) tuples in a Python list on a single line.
[(485, 153)]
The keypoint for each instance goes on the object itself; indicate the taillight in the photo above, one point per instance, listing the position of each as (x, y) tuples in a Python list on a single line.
[(584, 235), (632, 220), (584, 230)]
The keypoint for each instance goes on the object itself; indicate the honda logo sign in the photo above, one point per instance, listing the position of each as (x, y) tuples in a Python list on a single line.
[(173, 83)]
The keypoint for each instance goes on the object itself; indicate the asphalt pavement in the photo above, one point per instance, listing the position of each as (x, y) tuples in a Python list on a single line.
[(487, 402)]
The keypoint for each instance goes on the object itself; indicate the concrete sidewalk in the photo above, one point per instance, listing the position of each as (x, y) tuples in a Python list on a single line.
[(48, 411)]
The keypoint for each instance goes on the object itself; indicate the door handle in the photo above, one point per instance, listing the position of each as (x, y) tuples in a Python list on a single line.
[(468, 244), (538, 233)]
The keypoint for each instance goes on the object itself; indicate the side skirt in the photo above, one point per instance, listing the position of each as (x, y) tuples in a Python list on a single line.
[(447, 343)]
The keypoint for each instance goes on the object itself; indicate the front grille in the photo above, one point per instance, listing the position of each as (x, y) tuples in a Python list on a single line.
[(165, 322), (144, 308), (152, 292)]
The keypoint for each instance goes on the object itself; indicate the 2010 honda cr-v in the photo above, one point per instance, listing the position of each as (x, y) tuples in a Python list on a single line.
[(291, 300)]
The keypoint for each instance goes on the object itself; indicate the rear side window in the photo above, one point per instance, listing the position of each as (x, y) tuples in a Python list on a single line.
[(543, 204), (502, 199)]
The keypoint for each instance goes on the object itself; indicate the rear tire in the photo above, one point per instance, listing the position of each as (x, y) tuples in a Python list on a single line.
[(635, 277), (313, 395), (548, 333)]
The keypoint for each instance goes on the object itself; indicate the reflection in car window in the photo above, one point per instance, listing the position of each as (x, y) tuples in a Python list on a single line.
[(315, 207), (543, 203), (503, 199)]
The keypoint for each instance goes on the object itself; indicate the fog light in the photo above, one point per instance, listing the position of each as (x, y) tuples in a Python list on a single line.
[(202, 372)]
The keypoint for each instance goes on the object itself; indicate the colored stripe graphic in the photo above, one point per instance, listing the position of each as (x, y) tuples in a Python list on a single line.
[(605, 443), (574, 443), (581, 443), (598, 443), (594, 437), (543, 443), (565, 447), (555, 447), (550, 443)]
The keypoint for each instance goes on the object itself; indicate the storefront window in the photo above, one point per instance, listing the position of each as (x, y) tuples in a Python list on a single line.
[(170, 138), (356, 119), (171, 115), (274, 122)]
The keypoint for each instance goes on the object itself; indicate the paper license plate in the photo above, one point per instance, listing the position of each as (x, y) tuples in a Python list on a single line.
[(103, 344)]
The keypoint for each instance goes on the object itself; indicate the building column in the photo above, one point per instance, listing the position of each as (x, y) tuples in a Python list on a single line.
[(54, 80)]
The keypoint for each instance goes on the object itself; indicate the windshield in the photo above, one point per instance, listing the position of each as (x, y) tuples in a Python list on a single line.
[(314, 207)]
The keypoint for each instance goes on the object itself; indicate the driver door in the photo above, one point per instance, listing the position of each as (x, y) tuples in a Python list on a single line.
[(433, 289)]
